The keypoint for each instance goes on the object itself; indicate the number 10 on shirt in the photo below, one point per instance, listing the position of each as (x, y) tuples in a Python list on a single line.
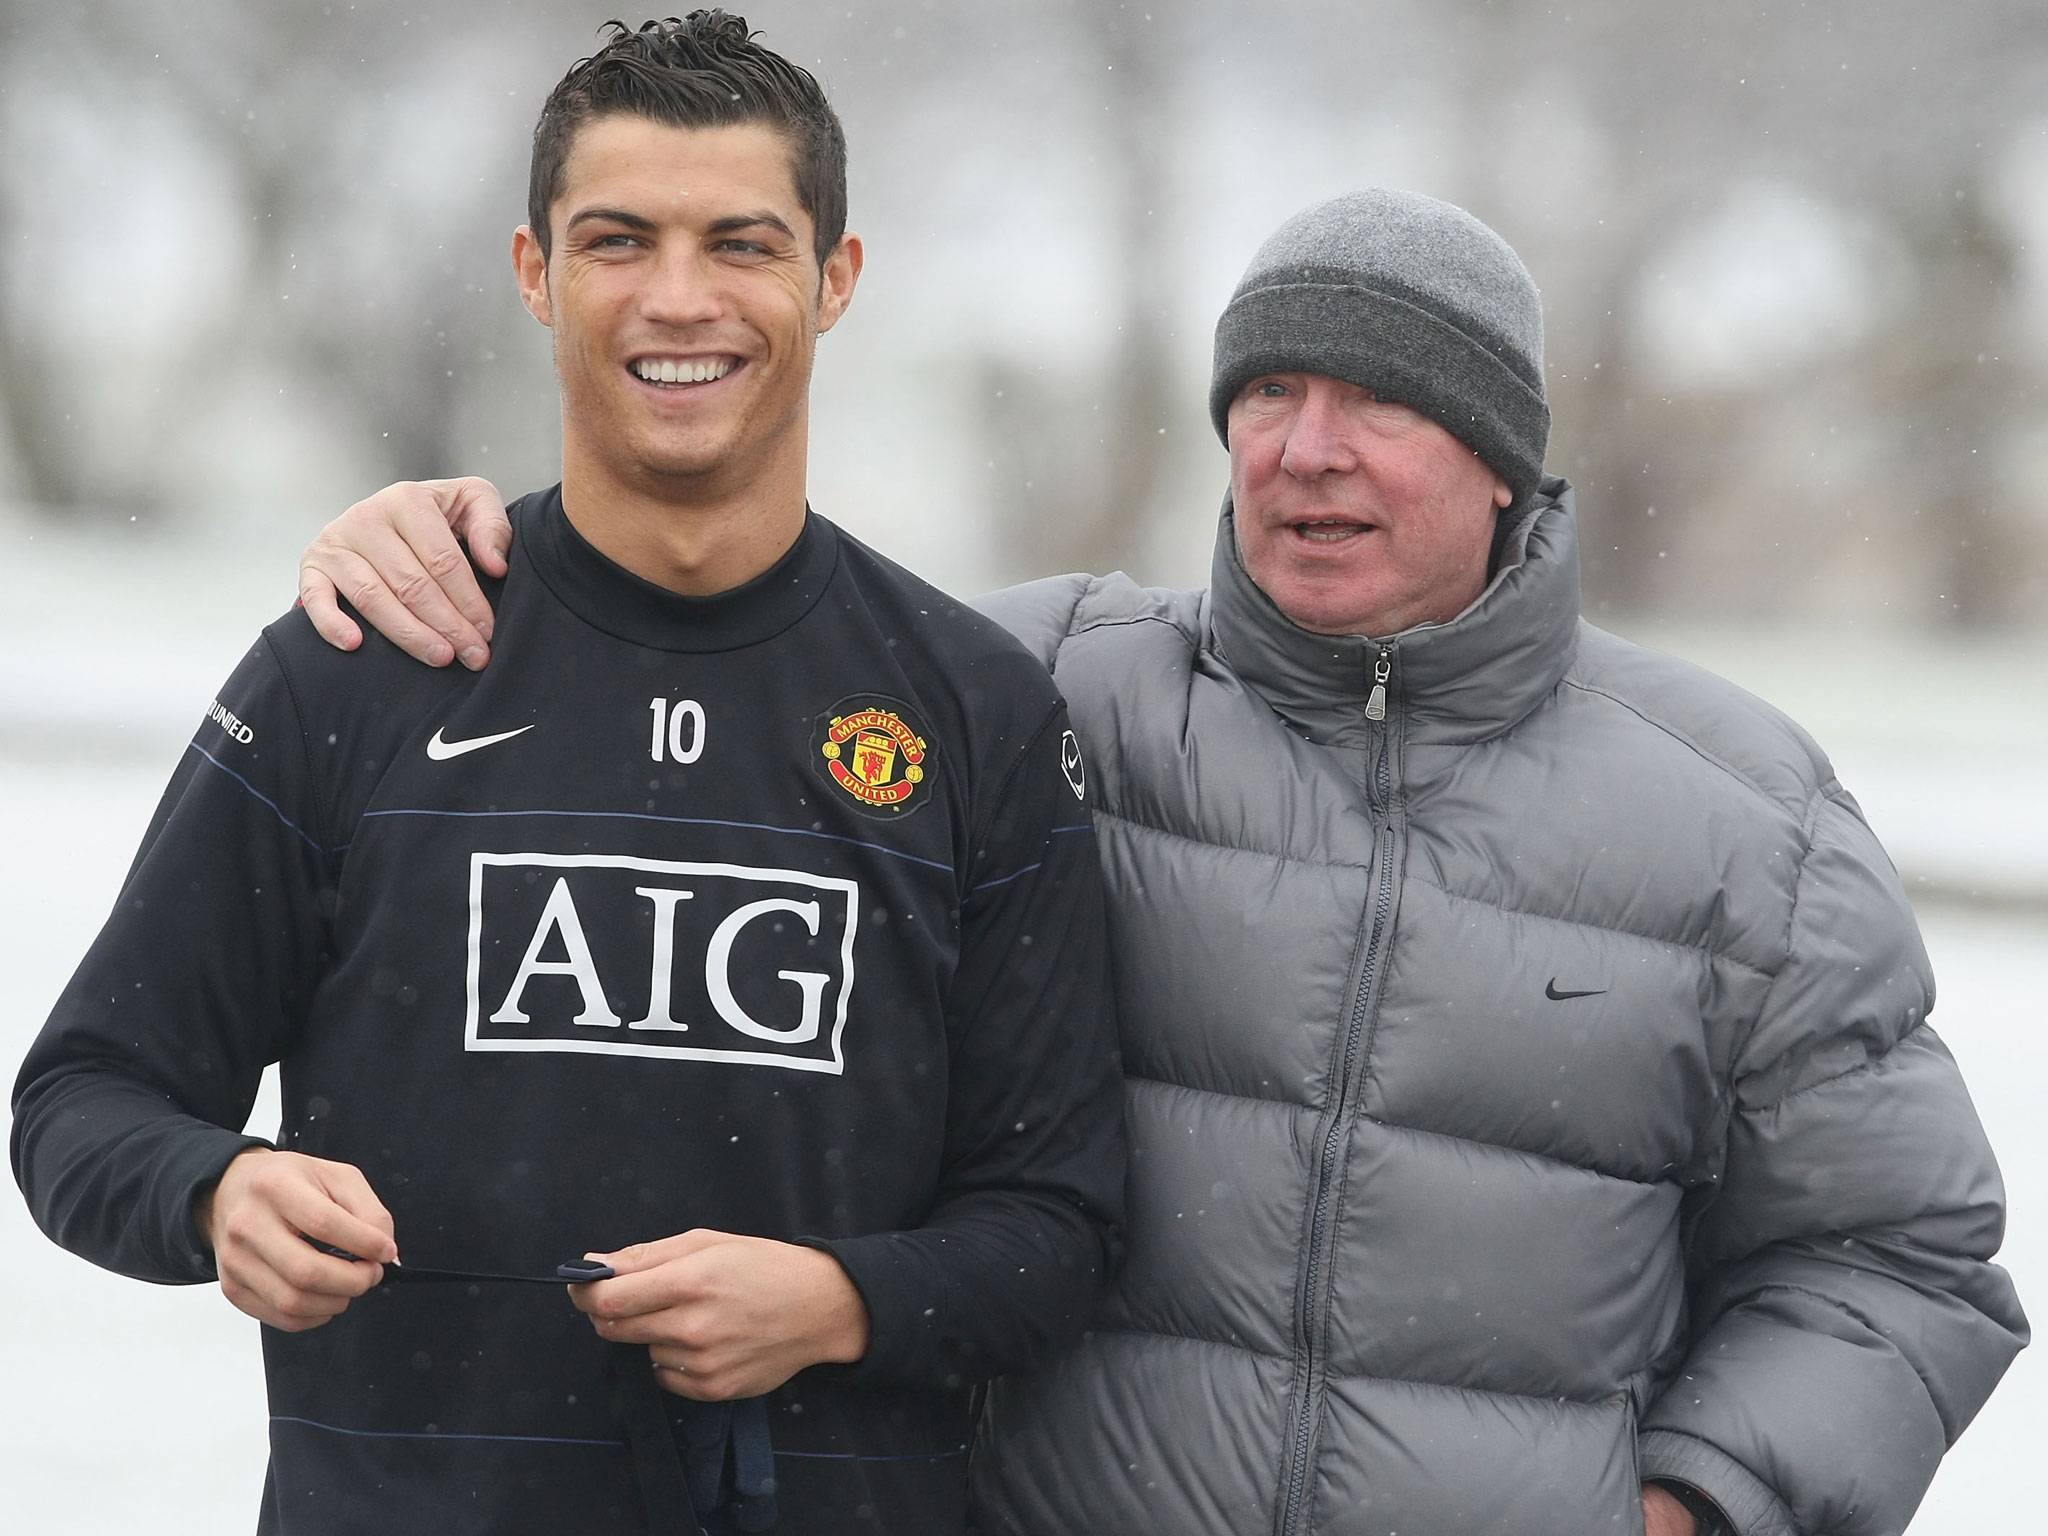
[(678, 731)]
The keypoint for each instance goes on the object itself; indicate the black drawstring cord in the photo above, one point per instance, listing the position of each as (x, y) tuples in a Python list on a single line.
[(753, 1466), (575, 1272), (656, 1462)]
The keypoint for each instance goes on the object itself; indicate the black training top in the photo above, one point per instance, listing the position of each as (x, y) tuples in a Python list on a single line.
[(775, 912)]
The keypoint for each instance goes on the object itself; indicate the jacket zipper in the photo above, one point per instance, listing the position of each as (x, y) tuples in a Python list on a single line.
[(1376, 701), (1292, 1511)]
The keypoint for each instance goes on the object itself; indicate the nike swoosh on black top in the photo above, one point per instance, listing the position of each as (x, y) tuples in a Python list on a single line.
[(440, 751)]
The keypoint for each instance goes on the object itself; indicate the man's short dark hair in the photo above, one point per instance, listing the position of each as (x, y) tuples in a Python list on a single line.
[(702, 71)]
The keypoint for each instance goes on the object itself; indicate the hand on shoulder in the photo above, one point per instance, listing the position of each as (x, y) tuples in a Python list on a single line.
[(396, 558)]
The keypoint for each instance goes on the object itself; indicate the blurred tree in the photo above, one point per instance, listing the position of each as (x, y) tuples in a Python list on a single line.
[(1890, 111), (1945, 377), (365, 162), (1076, 449), (272, 98), (30, 416)]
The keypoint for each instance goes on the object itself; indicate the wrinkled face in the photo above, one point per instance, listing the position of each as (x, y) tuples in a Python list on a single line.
[(685, 299), (1357, 516)]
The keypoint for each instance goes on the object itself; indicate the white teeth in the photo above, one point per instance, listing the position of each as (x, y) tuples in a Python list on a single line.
[(688, 370)]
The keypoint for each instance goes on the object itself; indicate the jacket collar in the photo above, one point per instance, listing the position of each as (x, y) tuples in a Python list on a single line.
[(1465, 680)]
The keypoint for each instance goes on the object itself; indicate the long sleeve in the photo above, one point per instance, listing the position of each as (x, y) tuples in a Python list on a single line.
[(130, 1102), (1847, 1319), (1018, 1246)]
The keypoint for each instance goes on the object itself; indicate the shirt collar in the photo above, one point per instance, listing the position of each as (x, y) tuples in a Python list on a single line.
[(611, 598)]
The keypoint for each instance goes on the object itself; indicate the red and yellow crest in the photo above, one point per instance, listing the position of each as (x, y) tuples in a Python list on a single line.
[(874, 756)]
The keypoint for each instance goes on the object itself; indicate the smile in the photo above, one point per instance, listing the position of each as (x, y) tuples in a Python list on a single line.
[(1329, 532), (682, 370)]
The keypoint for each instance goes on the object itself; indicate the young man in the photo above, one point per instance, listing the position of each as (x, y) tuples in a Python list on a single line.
[(739, 930), (1536, 1125)]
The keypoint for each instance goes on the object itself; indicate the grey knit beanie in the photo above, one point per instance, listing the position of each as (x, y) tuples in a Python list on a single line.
[(1406, 296)]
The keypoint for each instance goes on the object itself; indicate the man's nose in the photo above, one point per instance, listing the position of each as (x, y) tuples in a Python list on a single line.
[(682, 290), (1317, 439)]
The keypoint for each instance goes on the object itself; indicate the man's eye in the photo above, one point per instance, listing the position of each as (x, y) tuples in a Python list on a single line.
[(1272, 389), (615, 242), (744, 247)]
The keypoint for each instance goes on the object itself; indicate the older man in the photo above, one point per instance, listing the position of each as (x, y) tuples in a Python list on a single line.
[(1536, 1124)]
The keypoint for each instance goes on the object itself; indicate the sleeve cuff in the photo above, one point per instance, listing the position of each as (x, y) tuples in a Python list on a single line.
[(1750, 1505), (196, 1169), (905, 1314)]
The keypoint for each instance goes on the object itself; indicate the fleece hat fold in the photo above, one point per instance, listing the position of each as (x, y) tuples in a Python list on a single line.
[(1409, 297)]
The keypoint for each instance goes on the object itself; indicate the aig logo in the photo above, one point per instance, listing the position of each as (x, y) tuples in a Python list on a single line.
[(619, 956)]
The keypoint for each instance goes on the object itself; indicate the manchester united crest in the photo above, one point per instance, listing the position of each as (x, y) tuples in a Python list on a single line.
[(870, 750)]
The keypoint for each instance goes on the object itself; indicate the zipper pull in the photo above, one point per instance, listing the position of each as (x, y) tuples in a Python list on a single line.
[(1376, 703)]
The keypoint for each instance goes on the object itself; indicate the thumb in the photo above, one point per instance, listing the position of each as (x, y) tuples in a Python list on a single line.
[(346, 1187), (639, 1256), (477, 513)]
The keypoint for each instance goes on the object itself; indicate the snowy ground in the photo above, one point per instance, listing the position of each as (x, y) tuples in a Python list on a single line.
[(131, 1406)]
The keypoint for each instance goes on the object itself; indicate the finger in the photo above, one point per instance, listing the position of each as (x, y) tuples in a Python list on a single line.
[(651, 1255), (318, 597), (304, 1322), (314, 1214), (642, 1294), (265, 1296), (359, 582), (449, 601), (681, 1383), (640, 1328), (308, 1280), (417, 558), (648, 1277), (345, 1184), (704, 1380), (477, 512), (281, 1275), (619, 1305)]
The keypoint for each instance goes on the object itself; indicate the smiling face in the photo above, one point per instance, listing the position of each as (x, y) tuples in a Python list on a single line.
[(1355, 515), (686, 301)]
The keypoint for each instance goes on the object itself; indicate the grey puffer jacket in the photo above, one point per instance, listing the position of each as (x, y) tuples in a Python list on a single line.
[(1529, 1095)]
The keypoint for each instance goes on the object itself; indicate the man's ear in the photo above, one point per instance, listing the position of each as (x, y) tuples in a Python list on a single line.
[(837, 280), (530, 269)]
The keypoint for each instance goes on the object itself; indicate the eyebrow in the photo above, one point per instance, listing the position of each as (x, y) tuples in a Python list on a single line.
[(639, 223), (739, 221), (632, 221)]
